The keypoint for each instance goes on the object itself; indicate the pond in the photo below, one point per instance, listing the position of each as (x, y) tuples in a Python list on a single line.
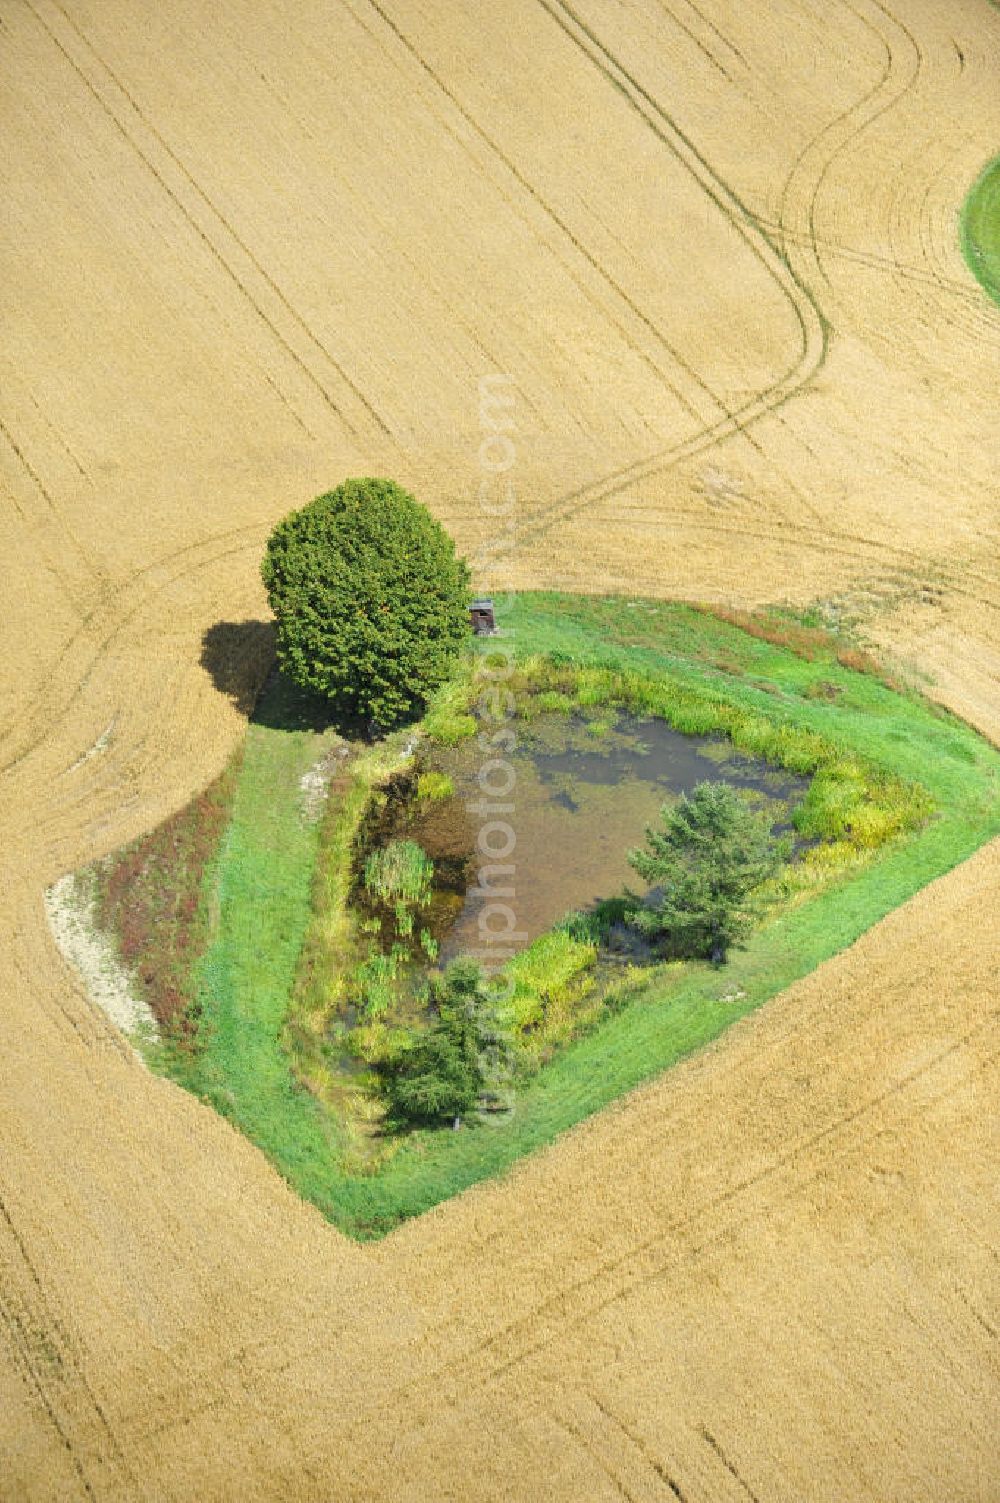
[(582, 794)]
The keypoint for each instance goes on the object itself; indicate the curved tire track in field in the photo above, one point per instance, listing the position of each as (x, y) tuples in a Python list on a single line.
[(656, 119), (804, 178), (804, 184), (807, 311), (104, 624), (920, 269), (855, 547), (907, 61)]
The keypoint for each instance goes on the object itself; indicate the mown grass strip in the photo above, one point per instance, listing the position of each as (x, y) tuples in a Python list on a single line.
[(980, 229), (265, 876), (262, 883)]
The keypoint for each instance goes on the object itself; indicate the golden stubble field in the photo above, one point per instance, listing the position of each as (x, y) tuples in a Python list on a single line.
[(248, 249)]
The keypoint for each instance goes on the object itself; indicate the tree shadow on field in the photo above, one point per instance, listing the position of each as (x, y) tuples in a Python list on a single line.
[(283, 706), (238, 656)]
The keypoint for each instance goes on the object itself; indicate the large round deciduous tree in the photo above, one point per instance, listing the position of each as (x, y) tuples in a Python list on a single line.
[(370, 598)]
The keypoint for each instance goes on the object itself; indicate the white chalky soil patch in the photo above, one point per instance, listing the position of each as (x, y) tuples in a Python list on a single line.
[(69, 904), (314, 784)]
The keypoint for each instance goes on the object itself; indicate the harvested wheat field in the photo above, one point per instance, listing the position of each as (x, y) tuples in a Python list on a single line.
[(250, 249)]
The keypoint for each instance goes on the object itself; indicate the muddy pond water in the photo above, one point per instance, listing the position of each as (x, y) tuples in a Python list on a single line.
[(581, 794)]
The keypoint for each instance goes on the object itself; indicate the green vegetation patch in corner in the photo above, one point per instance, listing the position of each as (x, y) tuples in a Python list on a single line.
[(269, 966), (981, 229)]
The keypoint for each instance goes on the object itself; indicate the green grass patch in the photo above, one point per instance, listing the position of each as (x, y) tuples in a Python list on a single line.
[(901, 792), (980, 229), (262, 889), (553, 980), (448, 719)]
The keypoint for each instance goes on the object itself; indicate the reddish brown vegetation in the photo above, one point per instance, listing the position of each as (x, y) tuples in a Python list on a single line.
[(150, 897), (808, 642), (866, 662)]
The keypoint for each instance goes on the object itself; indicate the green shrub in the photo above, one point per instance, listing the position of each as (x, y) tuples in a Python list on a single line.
[(464, 1057), (846, 802), (428, 944), (374, 983), (594, 927), (400, 873), (433, 786), (554, 702), (448, 720), (711, 852), (436, 1078), (551, 974)]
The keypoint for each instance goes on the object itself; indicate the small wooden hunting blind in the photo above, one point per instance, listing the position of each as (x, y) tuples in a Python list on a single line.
[(481, 615)]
